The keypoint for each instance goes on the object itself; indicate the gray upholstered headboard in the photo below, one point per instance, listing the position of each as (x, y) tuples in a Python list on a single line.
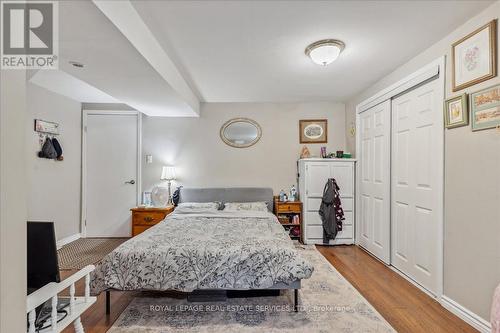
[(227, 194)]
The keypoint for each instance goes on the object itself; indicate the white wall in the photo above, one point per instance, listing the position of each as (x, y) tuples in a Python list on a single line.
[(193, 145), (12, 201), (472, 184), (54, 186)]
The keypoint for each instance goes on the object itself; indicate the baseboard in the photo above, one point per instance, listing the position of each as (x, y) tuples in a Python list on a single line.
[(66, 240), (466, 315)]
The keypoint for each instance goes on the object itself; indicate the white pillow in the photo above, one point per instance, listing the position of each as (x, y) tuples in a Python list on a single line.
[(245, 206), (199, 206)]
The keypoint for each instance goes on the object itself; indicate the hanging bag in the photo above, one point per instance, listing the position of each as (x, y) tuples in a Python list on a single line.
[(48, 150)]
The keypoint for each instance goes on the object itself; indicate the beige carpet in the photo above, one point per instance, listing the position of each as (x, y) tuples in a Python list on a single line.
[(329, 303), (86, 251)]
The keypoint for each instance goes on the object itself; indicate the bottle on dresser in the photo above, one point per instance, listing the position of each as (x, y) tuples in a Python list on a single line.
[(293, 194)]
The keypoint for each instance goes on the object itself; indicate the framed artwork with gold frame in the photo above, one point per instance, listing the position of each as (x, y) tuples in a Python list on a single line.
[(456, 111), (474, 57), (485, 108), (313, 131)]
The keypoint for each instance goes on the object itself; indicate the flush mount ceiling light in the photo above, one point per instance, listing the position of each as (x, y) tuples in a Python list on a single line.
[(324, 52)]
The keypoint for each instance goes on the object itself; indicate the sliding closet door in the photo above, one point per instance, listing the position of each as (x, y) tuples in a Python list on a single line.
[(417, 154), (375, 131)]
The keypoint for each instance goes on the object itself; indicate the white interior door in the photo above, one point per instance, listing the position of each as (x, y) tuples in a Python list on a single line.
[(417, 180), (110, 172), (374, 213)]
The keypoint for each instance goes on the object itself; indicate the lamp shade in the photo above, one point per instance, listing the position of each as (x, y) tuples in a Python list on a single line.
[(168, 173)]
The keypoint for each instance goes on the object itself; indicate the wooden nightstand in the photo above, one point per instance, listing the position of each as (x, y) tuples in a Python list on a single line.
[(285, 211), (144, 218)]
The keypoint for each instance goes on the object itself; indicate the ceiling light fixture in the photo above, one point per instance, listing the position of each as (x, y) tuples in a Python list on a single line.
[(77, 64), (324, 52)]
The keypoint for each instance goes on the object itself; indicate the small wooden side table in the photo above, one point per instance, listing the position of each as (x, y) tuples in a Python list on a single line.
[(144, 218), (285, 211)]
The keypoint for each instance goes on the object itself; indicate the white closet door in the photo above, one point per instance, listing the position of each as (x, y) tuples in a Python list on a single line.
[(375, 228), (417, 154)]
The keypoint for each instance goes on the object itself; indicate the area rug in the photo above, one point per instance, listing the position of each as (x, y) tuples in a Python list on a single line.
[(328, 303), (86, 251)]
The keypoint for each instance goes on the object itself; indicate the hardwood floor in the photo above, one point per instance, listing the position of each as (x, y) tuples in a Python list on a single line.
[(402, 304)]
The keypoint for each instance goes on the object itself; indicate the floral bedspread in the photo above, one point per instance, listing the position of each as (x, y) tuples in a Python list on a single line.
[(213, 250)]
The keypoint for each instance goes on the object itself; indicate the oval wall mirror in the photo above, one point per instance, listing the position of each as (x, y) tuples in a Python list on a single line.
[(240, 132)]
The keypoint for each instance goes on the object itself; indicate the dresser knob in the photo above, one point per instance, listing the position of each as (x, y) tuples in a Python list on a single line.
[(148, 219)]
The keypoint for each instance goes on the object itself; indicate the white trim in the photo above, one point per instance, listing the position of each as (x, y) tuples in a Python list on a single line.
[(408, 82), (85, 114), (436, 67), (441, 96), (357, 203), (66, 240), (466, 315)]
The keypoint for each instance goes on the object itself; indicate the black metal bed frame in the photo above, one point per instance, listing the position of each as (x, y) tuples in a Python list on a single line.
[(295, 300)]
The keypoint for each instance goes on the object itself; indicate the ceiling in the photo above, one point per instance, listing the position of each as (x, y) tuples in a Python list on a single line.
[(113, 65), (165, 57), (253, 51), (67, 85)]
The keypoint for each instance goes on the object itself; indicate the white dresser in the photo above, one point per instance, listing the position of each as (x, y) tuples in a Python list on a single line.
[(313, 175)]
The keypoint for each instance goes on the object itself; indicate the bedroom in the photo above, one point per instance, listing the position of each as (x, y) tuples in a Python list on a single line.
[(151, 95)]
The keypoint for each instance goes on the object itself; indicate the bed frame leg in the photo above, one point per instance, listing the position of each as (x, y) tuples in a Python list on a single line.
[(108, 302), (295, 300)]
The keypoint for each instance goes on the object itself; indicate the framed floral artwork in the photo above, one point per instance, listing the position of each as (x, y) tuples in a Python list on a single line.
[(456, 112), (313, 131), (474, 57), (485, 108)]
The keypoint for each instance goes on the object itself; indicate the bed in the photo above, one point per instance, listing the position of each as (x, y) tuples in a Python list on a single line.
[(207, 250)]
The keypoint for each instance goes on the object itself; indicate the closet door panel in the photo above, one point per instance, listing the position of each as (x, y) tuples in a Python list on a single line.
[(416, 187), (365, 179), (378, 215), (365, 218), (400, 228), (375, 180), (423, 255)]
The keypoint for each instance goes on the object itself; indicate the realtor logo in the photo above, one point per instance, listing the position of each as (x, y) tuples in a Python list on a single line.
[(29, 35)]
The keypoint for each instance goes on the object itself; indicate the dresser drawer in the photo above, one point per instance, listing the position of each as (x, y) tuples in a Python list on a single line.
[(137, 229), (313, 204), (288, 207), (147, 218), (313, 218), (316, 231)]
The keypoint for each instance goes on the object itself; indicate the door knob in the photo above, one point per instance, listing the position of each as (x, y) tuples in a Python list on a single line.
[(132, 182)]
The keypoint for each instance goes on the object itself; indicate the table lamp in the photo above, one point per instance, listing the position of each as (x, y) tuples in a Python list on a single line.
[(168, 174)]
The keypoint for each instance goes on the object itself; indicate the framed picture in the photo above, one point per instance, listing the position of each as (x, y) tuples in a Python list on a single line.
[(474, 57), (456, 112), (485, 108), (313, 131)]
